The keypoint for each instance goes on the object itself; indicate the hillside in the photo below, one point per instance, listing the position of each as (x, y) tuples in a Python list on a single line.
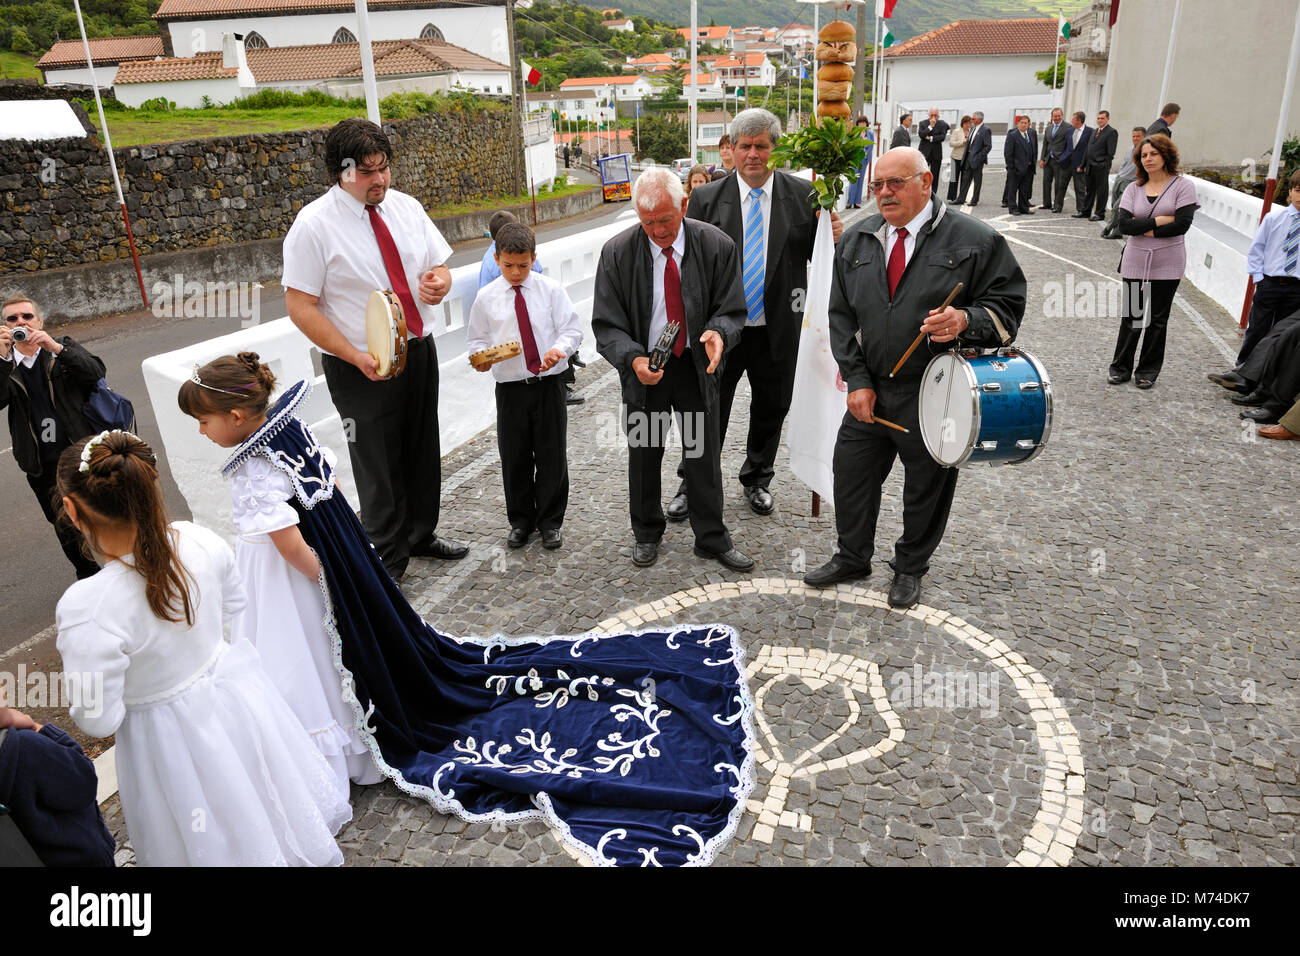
[(910, 16)]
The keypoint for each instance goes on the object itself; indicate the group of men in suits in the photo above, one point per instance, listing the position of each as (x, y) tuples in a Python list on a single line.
[(932, 132), (1080, 154)]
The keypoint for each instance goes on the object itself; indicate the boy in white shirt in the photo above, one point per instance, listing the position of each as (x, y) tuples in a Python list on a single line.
[(532, 420)]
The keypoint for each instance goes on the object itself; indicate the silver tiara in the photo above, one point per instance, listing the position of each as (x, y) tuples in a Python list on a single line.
[(194, 377)]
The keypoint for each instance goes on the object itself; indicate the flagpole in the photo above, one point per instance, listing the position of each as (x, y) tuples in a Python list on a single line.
[(112, 160), (694, 109), (1169, 57), (367, 61), (1056, 57)]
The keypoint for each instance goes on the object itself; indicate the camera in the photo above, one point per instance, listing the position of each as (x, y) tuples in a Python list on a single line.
[(20, 334)]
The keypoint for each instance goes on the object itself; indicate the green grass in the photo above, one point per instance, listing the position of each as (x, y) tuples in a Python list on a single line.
[(14, 66), (498, 202), (137, 127)]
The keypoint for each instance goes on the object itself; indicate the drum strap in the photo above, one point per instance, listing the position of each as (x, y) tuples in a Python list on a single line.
[(396, 274)]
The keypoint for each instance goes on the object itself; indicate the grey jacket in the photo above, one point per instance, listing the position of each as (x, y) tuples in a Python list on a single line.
[(1056, 146), (869, 331), (711, 294)]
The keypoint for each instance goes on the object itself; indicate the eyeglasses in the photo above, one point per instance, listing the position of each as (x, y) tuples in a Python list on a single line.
[(26, 316), (894, 184)]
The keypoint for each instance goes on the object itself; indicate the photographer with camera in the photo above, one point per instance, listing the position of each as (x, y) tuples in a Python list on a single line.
[(45, 384)]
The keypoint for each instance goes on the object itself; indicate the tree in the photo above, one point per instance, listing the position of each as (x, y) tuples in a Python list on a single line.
[(663, 139), (588, 63), (20, 42), (1045, 76)]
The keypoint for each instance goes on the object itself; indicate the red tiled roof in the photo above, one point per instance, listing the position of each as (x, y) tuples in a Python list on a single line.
[(189, 9), (205, 66), (103, 51), (735, 61), (700, 79), (614, 23), (650, 58), (705, 33), (982, 38), (588, 81)]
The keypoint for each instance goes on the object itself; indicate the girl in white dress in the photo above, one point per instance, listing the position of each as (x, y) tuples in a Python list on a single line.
[(213, 767), (285, 615)]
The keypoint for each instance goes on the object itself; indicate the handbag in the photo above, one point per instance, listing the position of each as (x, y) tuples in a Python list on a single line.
[(106, 410)]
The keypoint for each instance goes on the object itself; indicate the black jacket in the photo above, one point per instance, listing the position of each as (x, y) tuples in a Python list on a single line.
[(869, 331), (902, 137), (71, 376), (932, 138), (624, 300), (978, 147), (1160, 126), (1101, 148), (1075, 157), (1018, 152), (790, 238)]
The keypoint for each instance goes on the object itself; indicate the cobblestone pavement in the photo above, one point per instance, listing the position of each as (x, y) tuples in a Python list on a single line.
[(1103, 672)]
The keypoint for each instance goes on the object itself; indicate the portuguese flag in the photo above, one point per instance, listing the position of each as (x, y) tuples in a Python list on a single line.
[(1063, 25), (889, 39)]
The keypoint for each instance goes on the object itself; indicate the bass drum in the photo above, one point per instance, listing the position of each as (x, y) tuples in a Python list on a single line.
[(993, 408)]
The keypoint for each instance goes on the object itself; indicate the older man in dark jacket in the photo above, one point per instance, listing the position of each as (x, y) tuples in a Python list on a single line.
[(669, 271), (890, 270), (46, 382)]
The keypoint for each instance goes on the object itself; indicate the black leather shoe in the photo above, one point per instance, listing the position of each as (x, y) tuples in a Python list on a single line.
[(734, 559), (1257, 397), (1144, 383), (905, 591), (1268, 415), (552, 538), (1057, 209), (833, 572), (572, 398), (1096, 218), (576, 361), (1045, 206), (518, 537), (443, 548), (760, 500), (1111, 235), (677, 508), (1079, 215), (645, 553), (1231, 381), (1115, 379), (1027, 212)]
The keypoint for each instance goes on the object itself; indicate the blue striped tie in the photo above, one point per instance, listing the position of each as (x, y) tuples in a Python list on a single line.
[(754, 260), (1290, 248)]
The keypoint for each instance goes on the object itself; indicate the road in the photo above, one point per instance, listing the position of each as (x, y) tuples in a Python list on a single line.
[(33, 569)]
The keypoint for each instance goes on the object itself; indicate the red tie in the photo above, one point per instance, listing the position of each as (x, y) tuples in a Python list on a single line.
[(673, 300), (526, 333), (396, 274), (897, 260)]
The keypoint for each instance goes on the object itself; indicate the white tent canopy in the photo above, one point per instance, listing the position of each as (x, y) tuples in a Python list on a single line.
[(39, 120)]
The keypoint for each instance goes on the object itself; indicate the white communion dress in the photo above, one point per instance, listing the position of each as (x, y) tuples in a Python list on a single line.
[(285, 620), (213, 767)]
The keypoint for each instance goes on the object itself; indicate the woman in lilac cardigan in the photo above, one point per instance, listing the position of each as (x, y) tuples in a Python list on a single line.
[(1155, 211)]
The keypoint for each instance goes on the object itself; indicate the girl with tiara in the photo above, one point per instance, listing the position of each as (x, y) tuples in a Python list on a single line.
[(635, 748), (213, 768)]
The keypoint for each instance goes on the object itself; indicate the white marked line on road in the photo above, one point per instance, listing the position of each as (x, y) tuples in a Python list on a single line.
[(1063, 235)]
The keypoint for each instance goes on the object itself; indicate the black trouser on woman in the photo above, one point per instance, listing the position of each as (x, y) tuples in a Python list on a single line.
[(1139, 316), (958, 170)]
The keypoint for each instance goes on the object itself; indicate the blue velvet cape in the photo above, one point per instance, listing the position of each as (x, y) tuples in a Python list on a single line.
[(635, 748)]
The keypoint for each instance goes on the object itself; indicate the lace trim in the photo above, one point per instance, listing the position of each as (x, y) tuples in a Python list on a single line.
[(545, 811), (151, 699), (280, 416)]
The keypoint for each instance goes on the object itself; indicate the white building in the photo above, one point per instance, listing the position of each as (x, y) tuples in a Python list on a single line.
[(745, 69), (196, 26), (713, 36), (969, 65), (707, 86), (572, 105), (611, 88), (623, 26), (65, 62), (795, 36), (711, 125)]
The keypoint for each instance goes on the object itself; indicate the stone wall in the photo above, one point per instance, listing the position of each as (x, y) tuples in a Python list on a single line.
[(58, 206)]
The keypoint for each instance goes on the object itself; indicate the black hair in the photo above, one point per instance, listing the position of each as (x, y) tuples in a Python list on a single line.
[(498, 220), (351, 142), (516, 239)]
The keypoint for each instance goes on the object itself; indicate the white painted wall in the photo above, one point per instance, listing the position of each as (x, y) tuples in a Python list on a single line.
[(496, 82), (104, 76), (539, 159), (1221, 231), (480, 29), (186, 94)]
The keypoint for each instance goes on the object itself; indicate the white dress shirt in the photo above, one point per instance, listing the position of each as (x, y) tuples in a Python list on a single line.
[(766, 201), (555, 323), (909, 244), (1265, 257), (331, 252), (26, 361), (658, 310)]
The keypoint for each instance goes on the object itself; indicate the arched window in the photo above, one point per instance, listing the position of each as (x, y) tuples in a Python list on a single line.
[(430, 32), (344, 35), (254, 41)]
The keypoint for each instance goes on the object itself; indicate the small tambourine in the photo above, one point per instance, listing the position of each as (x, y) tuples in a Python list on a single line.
[(386, 333), (663, 349), (484, 359)]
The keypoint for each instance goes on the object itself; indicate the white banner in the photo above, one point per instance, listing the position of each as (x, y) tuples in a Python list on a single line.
[(819, 400)]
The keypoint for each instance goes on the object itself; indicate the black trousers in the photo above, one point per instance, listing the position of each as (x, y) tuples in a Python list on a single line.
[(936, 163), (958, 174), (970, 176), (1020, 189), (1281, 372), (532, 430), (1082, 196), (44, 487), (1274, 300), (864, 456), (1134, 323), (678, 393), (1055, 177), (395, 450), (771, 387), (1098, 178)]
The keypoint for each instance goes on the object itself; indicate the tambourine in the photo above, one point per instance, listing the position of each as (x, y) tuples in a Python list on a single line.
[(484, 359), (386, 333)]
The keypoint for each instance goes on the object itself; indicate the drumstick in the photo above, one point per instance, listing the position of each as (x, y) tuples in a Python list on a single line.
[(880, 421), (917, 341)]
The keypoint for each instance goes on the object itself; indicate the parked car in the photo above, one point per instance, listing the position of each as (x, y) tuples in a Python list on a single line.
[(682, 167)]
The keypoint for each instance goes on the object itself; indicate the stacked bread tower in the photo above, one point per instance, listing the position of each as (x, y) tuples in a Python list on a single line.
[(835, 51)]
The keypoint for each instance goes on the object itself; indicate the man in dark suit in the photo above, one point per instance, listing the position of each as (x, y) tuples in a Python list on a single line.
[(1096, 166), (774, 241), (1080, 136), (1056, 137), (978, 146), (933, 132), (1168, 116), (671, 270), (1020, 148), (902, 135)]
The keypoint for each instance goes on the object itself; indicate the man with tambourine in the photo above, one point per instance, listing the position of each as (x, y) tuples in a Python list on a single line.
[(365, 248), (892, 272)]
